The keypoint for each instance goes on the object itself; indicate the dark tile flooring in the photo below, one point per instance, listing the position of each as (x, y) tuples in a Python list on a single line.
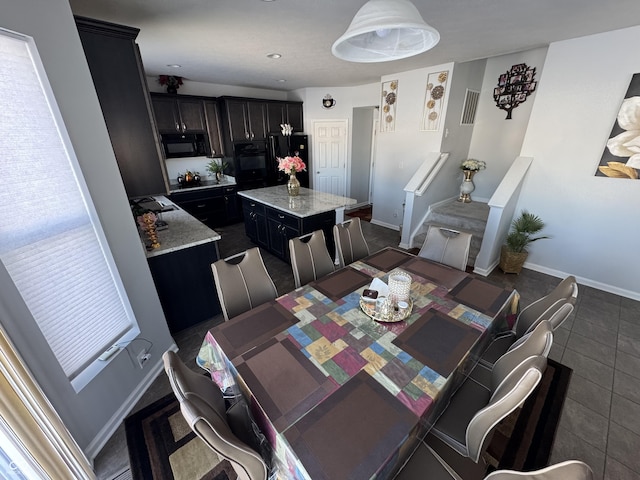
[(600, 423)]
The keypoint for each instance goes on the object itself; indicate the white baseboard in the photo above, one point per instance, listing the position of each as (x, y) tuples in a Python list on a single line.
[(103, 436), (386, 225), (585, 281), (560, 275)]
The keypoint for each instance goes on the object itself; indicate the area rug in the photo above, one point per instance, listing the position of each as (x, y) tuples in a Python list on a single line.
[(364, 214), (162, 446), (523, 440)]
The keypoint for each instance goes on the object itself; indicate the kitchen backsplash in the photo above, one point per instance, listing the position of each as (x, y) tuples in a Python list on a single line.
[(178, 166)]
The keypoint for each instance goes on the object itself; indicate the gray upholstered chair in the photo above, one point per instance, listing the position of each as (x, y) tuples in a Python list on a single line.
[(425, 463), (244, 284), (555, 307), (350, 241), (464, 429), (569, 470), (310, 259), (446, 246), (224, 431), (537, 342)]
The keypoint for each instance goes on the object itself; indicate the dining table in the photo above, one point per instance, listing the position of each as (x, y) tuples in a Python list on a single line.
[(339, 394)]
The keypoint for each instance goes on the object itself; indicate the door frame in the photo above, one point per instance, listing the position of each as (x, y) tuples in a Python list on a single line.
[(347, 152)]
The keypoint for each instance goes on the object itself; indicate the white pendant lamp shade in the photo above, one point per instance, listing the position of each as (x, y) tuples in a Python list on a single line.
[(385, 30)]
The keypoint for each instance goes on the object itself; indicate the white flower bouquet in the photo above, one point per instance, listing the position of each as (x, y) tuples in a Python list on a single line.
[(473, 164)]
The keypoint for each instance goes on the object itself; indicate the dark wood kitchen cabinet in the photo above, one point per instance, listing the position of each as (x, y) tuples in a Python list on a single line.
[(271, 228), (185, 285), (118, 75), (245, 120), (212, 117), (255, 222), (281, 227), (215, 207), (178, 114), (278, 113)]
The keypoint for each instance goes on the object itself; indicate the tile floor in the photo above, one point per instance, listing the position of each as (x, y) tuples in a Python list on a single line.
[(600, 423)]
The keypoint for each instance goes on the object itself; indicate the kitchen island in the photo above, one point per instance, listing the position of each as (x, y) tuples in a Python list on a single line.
[(272, 217), (181, 267), (213, 203)]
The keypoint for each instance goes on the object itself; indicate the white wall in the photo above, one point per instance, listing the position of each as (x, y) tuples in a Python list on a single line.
[(496, 140), (92, 414), (362, 128), (593, 220), (218, 90), (347, 98), (400, 153)]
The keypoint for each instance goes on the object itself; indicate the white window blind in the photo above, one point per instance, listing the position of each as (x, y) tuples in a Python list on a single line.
[(51, 242)]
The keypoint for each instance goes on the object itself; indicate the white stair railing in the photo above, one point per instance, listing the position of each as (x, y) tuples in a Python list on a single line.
[(415, 207), (502, 208)]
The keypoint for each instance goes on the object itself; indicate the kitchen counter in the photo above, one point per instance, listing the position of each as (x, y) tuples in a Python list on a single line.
[(183, 230), (308, 203), (204, 184)]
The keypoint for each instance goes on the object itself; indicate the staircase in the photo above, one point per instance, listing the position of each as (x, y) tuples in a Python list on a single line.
[(466, 217)]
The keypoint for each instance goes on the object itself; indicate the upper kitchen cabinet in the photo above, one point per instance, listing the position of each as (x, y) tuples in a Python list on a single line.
[(276, 115), (178, 115), (213, 128), (295, 117), (118, 75), (244, 119), (284, 112)]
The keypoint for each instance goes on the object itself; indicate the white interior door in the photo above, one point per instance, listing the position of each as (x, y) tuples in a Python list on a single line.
[(330, 156)]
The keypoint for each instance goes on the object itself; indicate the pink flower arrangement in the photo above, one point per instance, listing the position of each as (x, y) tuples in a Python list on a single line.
[(291, 164)]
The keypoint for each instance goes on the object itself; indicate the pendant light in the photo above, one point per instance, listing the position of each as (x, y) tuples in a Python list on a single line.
[(385, 30)]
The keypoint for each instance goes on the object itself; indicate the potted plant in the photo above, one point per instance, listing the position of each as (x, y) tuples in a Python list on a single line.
[(217, 167), (514, 252)]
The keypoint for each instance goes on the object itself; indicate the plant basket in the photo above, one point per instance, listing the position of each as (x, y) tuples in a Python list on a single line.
[(511, 262)]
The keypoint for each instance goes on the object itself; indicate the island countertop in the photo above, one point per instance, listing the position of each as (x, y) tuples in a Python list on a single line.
[(308, 203), (183, 230)]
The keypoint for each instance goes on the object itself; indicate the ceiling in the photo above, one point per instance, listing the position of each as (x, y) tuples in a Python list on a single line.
[(227, 41)]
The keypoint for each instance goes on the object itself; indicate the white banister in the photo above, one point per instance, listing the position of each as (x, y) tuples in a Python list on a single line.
[(414, 207), (425, 173), (502, 208)]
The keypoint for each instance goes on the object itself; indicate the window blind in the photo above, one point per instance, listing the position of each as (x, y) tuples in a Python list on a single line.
[(51, 242)]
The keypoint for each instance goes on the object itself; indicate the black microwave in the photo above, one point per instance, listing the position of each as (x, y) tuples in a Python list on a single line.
[(180, 145)]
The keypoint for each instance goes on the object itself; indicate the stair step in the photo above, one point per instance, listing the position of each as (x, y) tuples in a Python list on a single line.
[(467, 217)]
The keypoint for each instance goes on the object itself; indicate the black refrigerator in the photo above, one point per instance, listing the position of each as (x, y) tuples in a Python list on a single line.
[(280, 146)]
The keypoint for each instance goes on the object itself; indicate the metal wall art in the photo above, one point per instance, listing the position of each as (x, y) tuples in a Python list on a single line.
[(621, 157), (388, 106), (514, 86), (434, 100)]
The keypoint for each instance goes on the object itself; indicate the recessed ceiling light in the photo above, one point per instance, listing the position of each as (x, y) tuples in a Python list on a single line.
[(268, 0), (281, 80), (174, 65), (274, 55)]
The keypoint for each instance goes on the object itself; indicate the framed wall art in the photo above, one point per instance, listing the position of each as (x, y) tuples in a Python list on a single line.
[(621, 156), (388, 106), (514, 86), (434, 100)]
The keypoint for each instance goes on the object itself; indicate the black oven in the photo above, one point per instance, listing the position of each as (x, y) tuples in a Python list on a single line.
[(250, 161), (180, 145)]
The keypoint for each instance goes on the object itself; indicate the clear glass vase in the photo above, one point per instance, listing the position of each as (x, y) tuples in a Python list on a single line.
[(293, 185)]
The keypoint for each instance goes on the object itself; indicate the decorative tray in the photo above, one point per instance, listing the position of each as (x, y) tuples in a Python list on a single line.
[(372, 311)]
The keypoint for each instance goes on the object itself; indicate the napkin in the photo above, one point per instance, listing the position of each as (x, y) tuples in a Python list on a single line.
[(381, 287)]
